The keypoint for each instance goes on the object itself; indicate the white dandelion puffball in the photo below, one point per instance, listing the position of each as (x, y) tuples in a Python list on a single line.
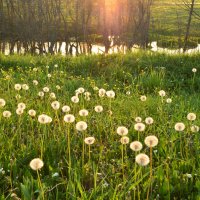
[(98, 109), (162, 93), (81, 126), (87, 94), (122, 130), (139, 127), (124, 140), (19, 111), (55, 105), (191, 116), (136, 146), (36, 164), (179, 126), (110, 94), (35, 82), (46, 89), (194, 128), (25, 87), (81, 90), (52, 95), (143, 98), (40, 94), (102, 92), (66, 109), (75, 99), (194, 70), (151, 141), (6, 114), (58, 87), (168, 100), (49, 75), (142, 159), (138, 119), (44, 119), (21, 106), (69, 118), (2, 103), (35, 69), (18, 87), (149, 120), (83, 112), (32, 113), (56, 65), (89, 140)]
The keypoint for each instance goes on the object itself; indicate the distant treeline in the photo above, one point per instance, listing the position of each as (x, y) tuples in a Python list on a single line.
[(42, 26)]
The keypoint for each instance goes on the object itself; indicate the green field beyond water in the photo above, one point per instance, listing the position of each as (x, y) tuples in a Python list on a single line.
[(162, 87), (168, 23)]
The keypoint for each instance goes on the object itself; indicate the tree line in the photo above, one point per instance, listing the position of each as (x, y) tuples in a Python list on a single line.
[(43, 26)]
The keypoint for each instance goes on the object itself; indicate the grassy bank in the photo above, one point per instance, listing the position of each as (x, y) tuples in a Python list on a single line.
[(106, 169)]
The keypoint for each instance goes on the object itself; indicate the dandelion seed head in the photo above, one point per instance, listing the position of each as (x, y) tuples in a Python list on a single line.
[(122, 130), (142, 159), (89, 140), (36, 164), (136, 146), (151, 141)]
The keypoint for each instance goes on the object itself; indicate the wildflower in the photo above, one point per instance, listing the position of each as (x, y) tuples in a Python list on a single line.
[(44, 119), (110, 94), (122, 130), (21, 106), (32, 113), (179, 126), (191, 116), (128, 93), (55, 105), (168, 100), (36, 164), (58, 87), (65, 109), (49, 75), (136, 146), (46, 89), (143, 98), (69, 118), (89, 140), (19, 111), (75, 99), (139, 127), (25, 87), (151, 141), (194, 70), (35, 69), (102, 92), (83, 113), (6, 114), (194, 128), (138, 119), (2, 103), (40, 94), (124, 140), (18, 87), (56, 65), (81, 90), (149, 120), (87, 94), (35, 82), (98, 108), (142, 159), (52, 95), (81, 126), (162, 93)]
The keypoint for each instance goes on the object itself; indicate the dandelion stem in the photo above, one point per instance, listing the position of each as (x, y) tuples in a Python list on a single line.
[(40, 185)]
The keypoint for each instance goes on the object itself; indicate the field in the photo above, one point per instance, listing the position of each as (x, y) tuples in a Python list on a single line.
[(145, 94), (168, 24)]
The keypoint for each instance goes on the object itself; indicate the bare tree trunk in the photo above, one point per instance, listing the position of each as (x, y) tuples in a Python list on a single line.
[(188, 25)]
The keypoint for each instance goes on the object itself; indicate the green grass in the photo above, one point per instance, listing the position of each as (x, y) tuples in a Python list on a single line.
[(23, 138), (168, 23)]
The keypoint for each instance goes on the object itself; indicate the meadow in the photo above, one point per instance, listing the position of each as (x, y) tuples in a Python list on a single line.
[(100, 127)]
